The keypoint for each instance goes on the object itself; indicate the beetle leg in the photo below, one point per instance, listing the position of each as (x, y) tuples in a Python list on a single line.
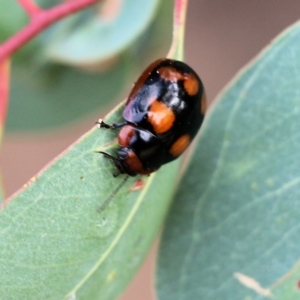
[(101, 124), (116, 174)]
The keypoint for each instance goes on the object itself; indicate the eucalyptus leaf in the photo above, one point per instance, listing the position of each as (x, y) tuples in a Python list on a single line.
[(96, 36), (55, 243), (233, 229), (46, 95), (9, 25)]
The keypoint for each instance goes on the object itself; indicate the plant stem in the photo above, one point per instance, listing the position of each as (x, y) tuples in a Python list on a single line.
[(41, 19), (30, 7)]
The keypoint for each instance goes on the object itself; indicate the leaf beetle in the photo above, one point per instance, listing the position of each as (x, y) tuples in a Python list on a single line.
[(162, 115)]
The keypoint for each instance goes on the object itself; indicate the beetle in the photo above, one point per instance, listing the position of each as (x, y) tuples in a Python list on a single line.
[(162, 115)]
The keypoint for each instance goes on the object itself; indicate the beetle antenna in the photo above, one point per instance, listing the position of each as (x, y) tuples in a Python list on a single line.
[(112, 195), (106, 155), (102, 124)]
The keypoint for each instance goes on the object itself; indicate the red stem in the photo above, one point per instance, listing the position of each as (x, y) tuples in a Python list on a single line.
[(41, 20), (4, 90), (30, 7)]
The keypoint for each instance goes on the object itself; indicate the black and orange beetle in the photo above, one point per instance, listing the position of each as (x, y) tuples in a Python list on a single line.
[(162, 115)]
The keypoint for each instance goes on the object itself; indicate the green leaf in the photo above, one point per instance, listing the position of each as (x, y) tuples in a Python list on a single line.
[(51, 96), (99, 34), (9, 25), (54, 241), (46, 95), (12, 19), (233, 230)]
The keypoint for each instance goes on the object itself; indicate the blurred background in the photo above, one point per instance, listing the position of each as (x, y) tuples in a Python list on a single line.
[(221, 37)]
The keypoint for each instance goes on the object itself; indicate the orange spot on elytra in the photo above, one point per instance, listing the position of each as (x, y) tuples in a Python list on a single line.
[(169, 73), (161, 117), (135, 165), (191, 84), (133, 162), (180, 145), (125, 135)]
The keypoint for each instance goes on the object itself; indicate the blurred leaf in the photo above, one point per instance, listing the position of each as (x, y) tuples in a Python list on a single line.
[(54, 241), (54, 95), (9, 25), (45, 95), (12, 19), (99, 34), (55, 244), (233, 230)]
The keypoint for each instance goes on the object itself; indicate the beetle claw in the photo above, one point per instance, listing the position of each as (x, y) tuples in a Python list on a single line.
[(101, 124)]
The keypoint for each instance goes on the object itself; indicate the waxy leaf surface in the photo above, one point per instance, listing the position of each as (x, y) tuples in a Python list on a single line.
[(233, 230), (55, 243)]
